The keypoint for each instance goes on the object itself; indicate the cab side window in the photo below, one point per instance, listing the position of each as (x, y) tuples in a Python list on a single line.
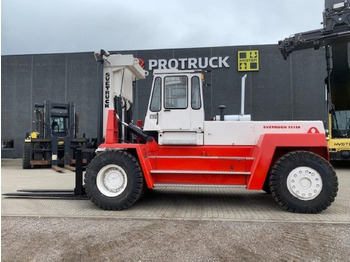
[(156, 100), (195, 93)]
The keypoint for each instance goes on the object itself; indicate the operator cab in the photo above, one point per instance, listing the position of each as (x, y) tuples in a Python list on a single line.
[(54, 119), (341, 124), (175, 110)]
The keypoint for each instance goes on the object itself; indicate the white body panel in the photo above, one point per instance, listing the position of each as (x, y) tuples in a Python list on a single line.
[(180, 138), (238, 133), (234, 118), (248, 133)]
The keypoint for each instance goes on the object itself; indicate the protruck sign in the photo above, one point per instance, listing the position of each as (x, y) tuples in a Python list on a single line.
[(189, 63)]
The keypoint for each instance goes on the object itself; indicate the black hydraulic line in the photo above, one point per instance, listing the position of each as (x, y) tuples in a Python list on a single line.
[(118, 109), (139, 132), (122, 83), (329, 63), (128, 117)]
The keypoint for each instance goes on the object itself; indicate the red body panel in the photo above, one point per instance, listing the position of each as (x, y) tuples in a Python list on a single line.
[(111, 128), (219, 165), (272, 146)]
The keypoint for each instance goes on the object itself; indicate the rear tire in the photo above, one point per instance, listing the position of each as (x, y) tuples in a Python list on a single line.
[(114, 180), (303, 182), (266, 186), (26, 156)]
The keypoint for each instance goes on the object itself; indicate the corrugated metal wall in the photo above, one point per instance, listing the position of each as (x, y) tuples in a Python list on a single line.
[(280, 90)]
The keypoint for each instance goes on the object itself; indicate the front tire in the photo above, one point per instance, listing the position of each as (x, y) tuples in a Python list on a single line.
[(114, 180), (26, 155), (303, 182)]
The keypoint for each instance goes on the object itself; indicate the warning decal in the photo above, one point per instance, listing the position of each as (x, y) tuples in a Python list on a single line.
[(248, 60)]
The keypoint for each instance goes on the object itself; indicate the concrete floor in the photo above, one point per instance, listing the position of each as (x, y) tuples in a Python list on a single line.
[(168, 224), (185, 203)]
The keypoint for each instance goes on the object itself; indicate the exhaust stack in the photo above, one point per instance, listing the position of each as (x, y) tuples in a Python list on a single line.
[(243, 93), (241, 116)]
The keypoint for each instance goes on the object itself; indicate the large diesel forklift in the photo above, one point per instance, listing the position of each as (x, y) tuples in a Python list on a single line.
[(55, 138), (335, 38), (177, 146)]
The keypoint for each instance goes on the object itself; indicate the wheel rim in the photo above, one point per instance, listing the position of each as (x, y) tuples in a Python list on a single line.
[(111, 180), (304, 183)]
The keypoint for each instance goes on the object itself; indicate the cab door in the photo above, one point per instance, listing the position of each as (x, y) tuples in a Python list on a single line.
[(176, 111), (175, 105)]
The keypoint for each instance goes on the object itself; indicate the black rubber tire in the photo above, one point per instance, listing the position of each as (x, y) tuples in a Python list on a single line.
[(266, 187), (134, 186), (278, 182), (143, 190), (26, 156)]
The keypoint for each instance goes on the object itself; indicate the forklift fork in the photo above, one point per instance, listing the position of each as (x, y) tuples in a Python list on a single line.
[(77, 193)]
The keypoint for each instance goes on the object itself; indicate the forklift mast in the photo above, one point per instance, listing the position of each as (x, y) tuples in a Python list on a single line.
[(119, 73)]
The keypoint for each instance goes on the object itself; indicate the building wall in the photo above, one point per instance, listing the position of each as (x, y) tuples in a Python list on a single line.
[(280, 90)]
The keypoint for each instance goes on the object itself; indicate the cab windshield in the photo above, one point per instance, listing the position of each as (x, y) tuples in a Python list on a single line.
[(59, 124)]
